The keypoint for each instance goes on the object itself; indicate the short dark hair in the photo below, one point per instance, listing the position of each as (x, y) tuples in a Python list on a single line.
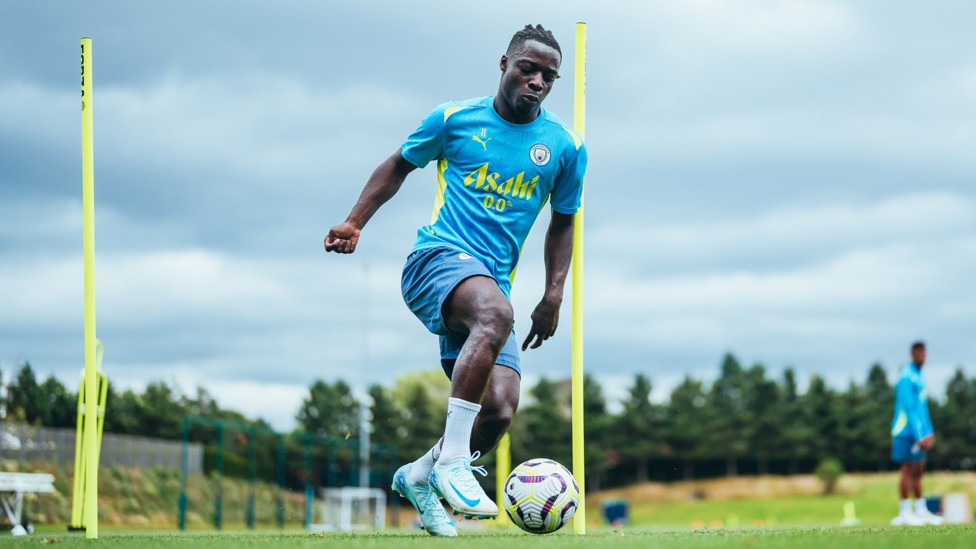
[(536, 33), (918, 345)]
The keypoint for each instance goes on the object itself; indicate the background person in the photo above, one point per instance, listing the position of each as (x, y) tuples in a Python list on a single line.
[(912, 436)]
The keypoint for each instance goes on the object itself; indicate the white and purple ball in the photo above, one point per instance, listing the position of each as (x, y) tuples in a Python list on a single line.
[(541, 496)]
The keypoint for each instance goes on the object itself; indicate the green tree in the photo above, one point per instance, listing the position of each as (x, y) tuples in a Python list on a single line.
[(820, 413), (59, 408), (433, 382), (765, 408), (879, 405), (829, 471), (422, 420), (26, 396), (387, 419), (546, 427), (729, 423), (598, 450), (639, 426), (955, 422), (330, 410), (852, 423), (202, 404), (684, 432), (161, 413), (420, 399), (863, 415), (796, 439), (124, 412)]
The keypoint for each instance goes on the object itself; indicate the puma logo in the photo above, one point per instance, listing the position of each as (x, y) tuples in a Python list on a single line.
[(484, 143)]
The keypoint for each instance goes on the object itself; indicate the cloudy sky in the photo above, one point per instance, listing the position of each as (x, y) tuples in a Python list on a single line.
[(792, 181)]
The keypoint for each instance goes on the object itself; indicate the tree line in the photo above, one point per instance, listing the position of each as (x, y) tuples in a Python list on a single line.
[(742, 422)]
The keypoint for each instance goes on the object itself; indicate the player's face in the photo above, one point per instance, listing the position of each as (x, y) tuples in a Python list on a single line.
[(527, 78), (918, 356)]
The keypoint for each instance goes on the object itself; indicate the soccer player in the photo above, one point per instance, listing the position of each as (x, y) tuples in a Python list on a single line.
[(499, 160), (912, 436)]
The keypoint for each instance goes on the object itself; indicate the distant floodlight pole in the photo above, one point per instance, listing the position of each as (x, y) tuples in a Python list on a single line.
[(88, 236), (579, 456)]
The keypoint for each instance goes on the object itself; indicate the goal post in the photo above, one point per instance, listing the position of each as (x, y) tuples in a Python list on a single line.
[(351, 508)]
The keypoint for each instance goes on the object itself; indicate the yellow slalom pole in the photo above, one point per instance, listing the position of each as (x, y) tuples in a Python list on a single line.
[(503, 465), (88, 222), (78, 493), (579, 456)]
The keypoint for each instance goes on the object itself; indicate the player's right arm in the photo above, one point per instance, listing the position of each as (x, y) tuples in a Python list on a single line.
[(380, 187), (927, 442)]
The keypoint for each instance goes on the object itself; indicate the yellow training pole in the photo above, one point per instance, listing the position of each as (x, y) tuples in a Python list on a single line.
[(579, 458), (503, 465), (88, 222), (78, 495), (78, 492)]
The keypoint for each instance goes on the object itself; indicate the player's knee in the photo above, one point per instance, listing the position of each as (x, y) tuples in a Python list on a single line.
[(500, 417), (497, 320), (497, 414), (491, 426)]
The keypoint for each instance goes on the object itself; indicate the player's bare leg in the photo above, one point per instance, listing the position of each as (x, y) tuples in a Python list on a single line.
[(497, 409), (479, 309), (921, 509), (905, 480)]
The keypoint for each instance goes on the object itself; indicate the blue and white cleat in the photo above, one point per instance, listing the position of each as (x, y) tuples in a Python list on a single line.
[(455, 483), (432, 514)]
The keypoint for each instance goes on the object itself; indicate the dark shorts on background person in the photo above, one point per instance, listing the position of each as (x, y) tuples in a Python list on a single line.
[(429, 277), (905, 450)]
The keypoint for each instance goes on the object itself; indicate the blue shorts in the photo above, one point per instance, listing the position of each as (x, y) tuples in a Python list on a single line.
[(429, 277), (903, 450)]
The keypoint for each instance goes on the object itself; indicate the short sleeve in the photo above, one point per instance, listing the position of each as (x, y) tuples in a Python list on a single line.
[(567, 192), (426, 143)]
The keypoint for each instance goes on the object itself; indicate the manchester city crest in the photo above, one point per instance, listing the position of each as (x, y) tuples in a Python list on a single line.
[(540, 154)]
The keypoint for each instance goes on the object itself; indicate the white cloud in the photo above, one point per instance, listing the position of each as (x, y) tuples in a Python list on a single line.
[(804, 231), (786, 29), (37, 113), (276, 403), (840, 131)]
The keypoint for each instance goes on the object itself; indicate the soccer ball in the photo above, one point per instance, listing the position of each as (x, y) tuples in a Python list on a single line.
[(541, 496)]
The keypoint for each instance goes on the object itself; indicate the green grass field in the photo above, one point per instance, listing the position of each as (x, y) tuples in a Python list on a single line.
[(793, 538), (786, 501), (789, 512)]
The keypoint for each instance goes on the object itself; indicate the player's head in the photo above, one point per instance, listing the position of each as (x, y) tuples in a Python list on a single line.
[(529, 67), (918, 353)]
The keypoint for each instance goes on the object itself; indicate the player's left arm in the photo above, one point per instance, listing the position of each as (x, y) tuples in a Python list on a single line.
[(558, 254)]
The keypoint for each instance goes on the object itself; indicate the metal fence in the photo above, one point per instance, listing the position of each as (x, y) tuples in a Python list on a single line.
[(27, 444)]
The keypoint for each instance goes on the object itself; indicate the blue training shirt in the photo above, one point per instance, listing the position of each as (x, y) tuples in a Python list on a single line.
[(493, 178), (911, 417)]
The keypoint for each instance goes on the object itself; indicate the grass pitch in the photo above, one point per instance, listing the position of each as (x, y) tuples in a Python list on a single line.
[(792, 538)]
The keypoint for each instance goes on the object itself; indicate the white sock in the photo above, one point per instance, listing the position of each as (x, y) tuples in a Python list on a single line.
[(920, 507), (905, 507), (420, 469), (457, 433)]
